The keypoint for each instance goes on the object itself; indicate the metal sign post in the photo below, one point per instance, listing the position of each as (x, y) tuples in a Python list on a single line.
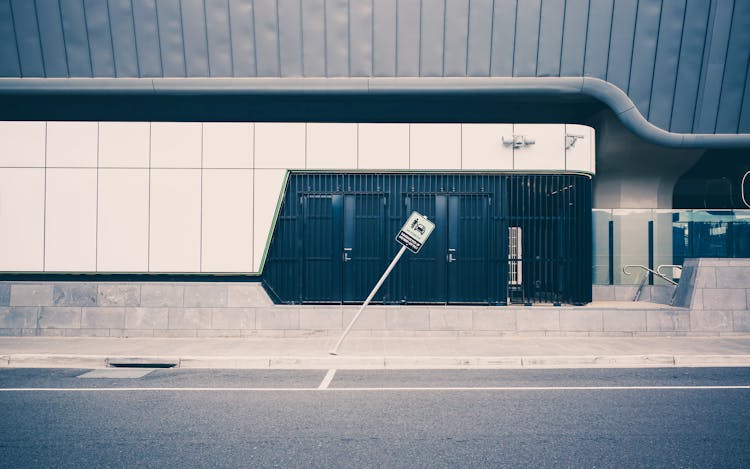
[(412, 236)]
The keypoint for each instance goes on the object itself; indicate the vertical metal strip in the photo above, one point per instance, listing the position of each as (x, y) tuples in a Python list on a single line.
[(96, 235), (547, 235), (299, 181), (539, 227), (610, 251), (583, 218), (651, 251)]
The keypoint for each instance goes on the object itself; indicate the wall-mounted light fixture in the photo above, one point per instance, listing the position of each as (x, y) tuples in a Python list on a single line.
[(518, 141), (570, 140)]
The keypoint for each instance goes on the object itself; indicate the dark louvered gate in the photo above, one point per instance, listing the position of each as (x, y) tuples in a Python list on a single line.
[(498, 238)]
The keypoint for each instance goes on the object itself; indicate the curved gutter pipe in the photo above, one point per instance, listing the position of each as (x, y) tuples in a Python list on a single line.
[(590, 87)]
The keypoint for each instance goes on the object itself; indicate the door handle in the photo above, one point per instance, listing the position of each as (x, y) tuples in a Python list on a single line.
[(449, 257), (345, 256)]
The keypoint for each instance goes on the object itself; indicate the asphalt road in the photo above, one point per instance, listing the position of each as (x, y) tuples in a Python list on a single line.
[(501, 418)]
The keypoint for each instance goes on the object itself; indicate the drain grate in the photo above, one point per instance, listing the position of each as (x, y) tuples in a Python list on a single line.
[(142, 362), (142, 365)]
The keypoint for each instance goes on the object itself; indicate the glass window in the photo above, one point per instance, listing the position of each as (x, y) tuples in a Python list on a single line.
[(674, 236)]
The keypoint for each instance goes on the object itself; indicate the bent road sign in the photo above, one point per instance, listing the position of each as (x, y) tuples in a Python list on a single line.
[(415, 232)]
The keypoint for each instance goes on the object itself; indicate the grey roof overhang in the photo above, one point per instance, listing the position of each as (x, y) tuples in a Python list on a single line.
[(537, 99)]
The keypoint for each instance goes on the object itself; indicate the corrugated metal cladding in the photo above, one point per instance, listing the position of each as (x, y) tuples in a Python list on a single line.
[(498, 238), (684, 63)]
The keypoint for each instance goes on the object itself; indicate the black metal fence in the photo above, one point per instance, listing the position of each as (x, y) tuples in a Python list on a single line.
[(499, 238)]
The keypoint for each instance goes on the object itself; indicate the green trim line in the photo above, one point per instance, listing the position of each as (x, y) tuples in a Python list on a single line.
[(550, 87), (282, 193)]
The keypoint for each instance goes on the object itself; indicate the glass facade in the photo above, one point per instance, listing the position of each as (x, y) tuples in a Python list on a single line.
[(662, 237)]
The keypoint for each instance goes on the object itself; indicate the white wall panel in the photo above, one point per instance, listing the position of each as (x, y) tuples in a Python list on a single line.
[(383, 146), (435, 146), (578, 156), (227, 241), (176, 144), (592, 148), (72, 144), (482, 146), (70, 225), (175, 220), (122, 233), (331, 146), (548, 150), (124, 144), (21, 219), (268, 189), (22, 143), (279, 145), (227, 145)]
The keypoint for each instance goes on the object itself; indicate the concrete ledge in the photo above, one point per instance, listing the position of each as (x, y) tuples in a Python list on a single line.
[(325, 362), (714, 284), (661, 294), (251, 363), (57, 361), (426, 363), (712, 360), (599, 361)]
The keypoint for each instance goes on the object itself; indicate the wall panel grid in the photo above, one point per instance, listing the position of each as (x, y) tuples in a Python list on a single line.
[(202, 197)]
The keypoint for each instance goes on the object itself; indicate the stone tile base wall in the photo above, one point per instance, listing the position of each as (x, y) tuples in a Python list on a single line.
[(128, 309), (717, 291), (661, 294), (244, 310)]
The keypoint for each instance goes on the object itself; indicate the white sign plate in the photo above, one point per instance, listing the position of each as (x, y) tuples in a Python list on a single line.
[(415, 232)]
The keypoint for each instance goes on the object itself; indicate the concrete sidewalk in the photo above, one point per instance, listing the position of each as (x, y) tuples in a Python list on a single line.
[(377, 352)]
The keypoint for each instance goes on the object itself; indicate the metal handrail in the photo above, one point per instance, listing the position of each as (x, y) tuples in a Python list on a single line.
[(659, 274), (672, 266)]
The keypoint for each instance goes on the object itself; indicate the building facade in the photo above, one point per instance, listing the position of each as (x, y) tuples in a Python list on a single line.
[(553, 142)]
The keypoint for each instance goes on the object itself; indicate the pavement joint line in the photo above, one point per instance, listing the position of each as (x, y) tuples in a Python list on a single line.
[(327, 379), (396, 389)]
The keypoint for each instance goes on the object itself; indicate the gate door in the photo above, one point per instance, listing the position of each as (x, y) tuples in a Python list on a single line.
[(467, 251), (322, 246), (363, 251), (426, 279), (453, 266), (343, 246)]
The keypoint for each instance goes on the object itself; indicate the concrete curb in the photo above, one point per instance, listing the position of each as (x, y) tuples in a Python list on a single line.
[(376, 362)]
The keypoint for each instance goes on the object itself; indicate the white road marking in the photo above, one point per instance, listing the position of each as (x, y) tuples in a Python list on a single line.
[(151, 389), (327, 379), (542, 388), (117, 373), (497, 388)]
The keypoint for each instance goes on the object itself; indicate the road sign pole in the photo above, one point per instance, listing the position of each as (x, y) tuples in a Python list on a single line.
[(335, 349)]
